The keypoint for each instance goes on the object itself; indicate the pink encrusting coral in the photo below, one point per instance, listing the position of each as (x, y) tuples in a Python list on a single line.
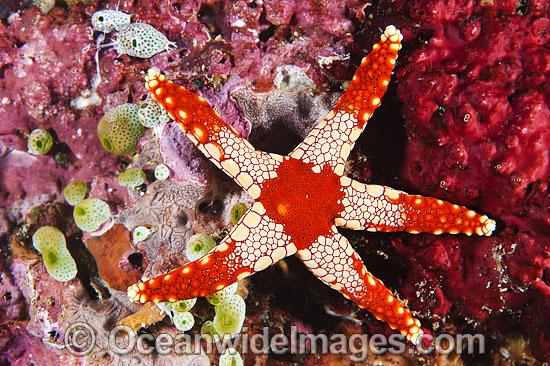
[(44, 71), (476, 107)]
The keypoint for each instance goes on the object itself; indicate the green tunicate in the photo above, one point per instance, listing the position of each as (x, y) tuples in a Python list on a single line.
[(131, 177), (75, 192), (208, 332), (198, 245), (183, 321), (119, 130), (51, 244), (229, 317), (90, 213), (140, 233), (162, 172), (151, 114), (237, 211), (40, 142), (182, 306), (230, 357), (219, 297), (60, 158)]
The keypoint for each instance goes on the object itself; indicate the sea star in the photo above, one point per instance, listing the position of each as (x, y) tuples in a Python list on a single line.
[(301, 198)]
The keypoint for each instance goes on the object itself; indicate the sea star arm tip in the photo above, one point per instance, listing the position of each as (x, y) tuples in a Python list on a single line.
[(379, 208), (212, 272), (247, 249), (332, 259), (213, 137), (331, 141)]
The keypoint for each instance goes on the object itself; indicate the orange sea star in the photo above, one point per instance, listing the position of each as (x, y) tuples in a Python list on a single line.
[(301, 198)]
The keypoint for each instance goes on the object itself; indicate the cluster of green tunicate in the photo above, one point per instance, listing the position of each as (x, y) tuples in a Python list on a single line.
[(162, 172), (40, 142), (90, 213), (151, 113), (229, 317), (227, 322), (230, 309), (131, 177), (237, 211), (230, 357), (179, 313), (198, 245), (140, 233), (51, 244), (219, 297), (120, 130), (75, 192)]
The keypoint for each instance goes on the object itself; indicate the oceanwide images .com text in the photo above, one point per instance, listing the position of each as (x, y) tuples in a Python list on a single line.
[(80, 341)]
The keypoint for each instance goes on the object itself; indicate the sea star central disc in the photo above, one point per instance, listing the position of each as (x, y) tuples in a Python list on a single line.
[(307, 210)]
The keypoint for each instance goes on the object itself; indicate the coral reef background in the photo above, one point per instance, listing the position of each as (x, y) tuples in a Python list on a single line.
[(466, 119)]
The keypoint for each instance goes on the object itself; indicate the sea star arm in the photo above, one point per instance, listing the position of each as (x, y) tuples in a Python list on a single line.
[(332, 259), (378, 208), (214, 138), (255, 243), (331, 141)]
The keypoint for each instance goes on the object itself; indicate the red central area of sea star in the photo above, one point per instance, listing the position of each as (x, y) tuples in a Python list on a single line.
[(305, 202)]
